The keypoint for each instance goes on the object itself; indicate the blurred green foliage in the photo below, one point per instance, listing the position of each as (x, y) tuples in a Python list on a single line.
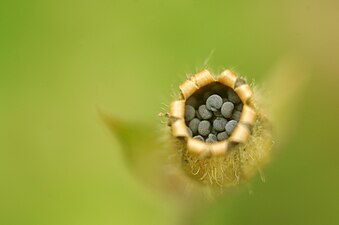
[(62, 60)]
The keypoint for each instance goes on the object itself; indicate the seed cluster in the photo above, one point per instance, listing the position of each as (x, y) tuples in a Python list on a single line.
[(214, 118)]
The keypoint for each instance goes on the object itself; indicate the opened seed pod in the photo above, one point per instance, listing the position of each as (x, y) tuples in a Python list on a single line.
[(221, 133)]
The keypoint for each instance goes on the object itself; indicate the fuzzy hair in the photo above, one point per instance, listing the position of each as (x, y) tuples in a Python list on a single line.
[(240, 163)]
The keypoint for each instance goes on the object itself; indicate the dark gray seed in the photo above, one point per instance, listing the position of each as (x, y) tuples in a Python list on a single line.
[(239, 107), (204, 112), (192, 101), (222, 136), (225, 100), (226, 109), (199, 137), (193, 125), (230, 126), (219, 124), (190, 132), (214, 102), (189, 113), (236, 115), (204, 128), (232, 96)]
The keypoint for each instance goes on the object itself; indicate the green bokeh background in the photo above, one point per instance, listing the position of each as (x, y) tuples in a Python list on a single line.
[(62, 60)]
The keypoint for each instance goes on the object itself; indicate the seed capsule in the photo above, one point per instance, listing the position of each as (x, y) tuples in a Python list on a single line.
[(226, 149)]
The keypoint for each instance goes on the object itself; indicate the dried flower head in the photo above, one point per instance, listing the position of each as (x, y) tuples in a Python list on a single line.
[(220, 132)]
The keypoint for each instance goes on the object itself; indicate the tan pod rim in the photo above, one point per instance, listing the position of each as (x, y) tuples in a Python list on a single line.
[(241, 132)]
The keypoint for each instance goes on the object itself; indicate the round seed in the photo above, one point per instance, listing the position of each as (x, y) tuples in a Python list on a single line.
[(219, 124), (204, 128), (236, 115), (214, 102), (199, 137), (232, 96), (226, 109), (193, 125), (204, 112), (189, 112), (190, 132), (230, 126), (222, 136)]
